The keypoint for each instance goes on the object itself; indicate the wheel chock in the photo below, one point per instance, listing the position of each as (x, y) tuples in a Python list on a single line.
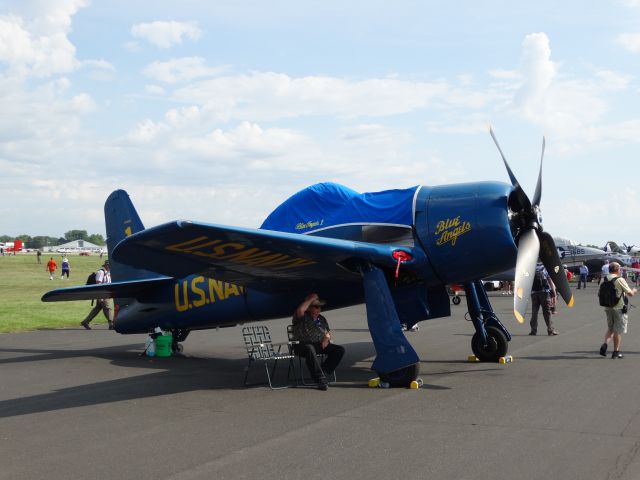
[(416, 384), (472, 358), (507, 359), (374, 382)]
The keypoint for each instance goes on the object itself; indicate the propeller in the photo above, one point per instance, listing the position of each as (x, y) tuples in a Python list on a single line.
[(533, 242)]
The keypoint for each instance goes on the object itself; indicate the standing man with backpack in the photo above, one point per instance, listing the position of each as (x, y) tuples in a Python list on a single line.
[(103, 275), (541, 291), (612, 297)]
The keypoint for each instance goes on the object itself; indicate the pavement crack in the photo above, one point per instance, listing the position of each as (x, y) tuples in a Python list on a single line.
[(623, 461)]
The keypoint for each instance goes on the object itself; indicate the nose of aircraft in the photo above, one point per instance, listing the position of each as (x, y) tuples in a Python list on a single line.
[(533, 242)]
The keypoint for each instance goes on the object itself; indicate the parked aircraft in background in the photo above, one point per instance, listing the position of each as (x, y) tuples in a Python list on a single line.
[(12, 247), (574, 254), (613, 247), (395, 250), (618, 254)]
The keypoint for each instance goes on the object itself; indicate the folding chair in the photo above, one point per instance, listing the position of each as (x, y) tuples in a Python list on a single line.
[(293, 342), (260, 348)]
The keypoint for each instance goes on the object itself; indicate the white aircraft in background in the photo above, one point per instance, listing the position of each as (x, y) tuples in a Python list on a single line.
[(573, 254), (632, 250), (623, 255)]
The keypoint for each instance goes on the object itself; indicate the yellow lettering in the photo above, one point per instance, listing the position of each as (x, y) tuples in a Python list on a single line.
[(216, 289), (220, 249), (198, 291), (248, 257), (191, 244), (230, 289), (181, 307)]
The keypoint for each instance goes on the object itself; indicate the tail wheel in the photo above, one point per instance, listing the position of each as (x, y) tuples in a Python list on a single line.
[(497, 345), (456, 300)]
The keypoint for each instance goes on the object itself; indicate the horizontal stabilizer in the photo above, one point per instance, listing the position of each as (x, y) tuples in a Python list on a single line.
[(138, 289)]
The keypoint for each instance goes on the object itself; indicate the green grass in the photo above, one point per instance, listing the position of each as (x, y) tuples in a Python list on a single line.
[(23, 282)]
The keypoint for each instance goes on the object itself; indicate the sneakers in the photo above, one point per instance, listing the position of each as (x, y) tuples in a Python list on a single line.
[(85, 325), (532, 333), (603, 349), (110, 325), (553, 332), (616, 354)]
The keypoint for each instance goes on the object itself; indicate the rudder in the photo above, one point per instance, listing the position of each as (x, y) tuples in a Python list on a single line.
[(122, 220)]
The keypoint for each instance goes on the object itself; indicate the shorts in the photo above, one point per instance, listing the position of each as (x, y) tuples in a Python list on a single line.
[(616, 320)]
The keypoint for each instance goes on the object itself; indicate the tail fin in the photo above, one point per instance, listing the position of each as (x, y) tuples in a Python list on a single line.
[(121, 220)]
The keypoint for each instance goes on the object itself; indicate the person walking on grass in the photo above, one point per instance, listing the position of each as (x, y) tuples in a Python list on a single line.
[(51, 268)]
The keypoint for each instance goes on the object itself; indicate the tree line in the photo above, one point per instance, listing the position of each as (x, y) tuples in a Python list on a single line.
[(42, 241)]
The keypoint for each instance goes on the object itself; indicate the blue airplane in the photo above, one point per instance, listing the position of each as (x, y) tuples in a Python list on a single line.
[(395, 250)]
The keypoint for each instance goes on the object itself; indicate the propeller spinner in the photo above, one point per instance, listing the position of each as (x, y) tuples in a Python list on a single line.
[(533, 243)]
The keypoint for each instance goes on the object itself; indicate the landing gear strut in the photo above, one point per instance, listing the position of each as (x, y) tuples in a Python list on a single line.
[(179, 335), (491, 340)]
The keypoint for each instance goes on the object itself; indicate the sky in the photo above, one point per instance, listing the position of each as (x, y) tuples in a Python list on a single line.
[(219, 111)]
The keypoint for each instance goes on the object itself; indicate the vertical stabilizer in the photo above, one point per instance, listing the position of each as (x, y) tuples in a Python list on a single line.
[(121, 220)]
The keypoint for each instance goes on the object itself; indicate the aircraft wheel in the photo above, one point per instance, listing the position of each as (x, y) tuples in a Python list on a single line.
[(456, 300), (177, 348), (401, 377), (497, 345)]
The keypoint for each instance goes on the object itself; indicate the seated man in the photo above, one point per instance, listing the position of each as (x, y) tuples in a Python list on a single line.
[(312, 331)]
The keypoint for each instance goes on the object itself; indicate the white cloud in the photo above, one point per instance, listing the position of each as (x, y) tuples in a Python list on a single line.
[(269, 95), (630, 41), (40, 47), (537, 71), (180, 70), (166, 34), (613, 80)]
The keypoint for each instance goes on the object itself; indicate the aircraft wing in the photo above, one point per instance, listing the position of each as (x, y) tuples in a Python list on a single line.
[(131, 289), (266, 260)]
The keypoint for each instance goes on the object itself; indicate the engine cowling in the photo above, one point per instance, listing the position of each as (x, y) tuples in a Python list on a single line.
[(465, 230)]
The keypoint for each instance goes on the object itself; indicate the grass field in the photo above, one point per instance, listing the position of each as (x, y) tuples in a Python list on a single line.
[(23, 282)]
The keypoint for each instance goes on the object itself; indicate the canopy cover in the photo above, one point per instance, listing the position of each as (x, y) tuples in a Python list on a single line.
[(326, 205)]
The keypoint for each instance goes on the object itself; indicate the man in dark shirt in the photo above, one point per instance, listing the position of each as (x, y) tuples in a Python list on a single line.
[(312, 331), (541, 291)]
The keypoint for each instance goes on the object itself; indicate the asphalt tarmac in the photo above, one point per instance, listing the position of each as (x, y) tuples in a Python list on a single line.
[(78, 404)]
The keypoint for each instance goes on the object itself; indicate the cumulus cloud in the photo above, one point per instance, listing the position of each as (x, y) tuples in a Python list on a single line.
[(537, 71), (166, 34), (268, 95), (40, 47), (630, 41), (180, 70)]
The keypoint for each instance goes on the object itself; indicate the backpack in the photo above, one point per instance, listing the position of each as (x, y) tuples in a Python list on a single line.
[(540, 283), (607, 293), (91, 279)]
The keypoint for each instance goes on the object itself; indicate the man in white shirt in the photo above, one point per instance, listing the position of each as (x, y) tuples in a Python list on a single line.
[(103, 275)]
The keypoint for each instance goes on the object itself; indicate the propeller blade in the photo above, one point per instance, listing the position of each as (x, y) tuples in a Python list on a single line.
[(538, 192), (551, 261), (522, 198), (528, 250)]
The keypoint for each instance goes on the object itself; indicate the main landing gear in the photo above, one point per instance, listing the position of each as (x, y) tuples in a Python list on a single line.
[(179, 335), (491, 340)]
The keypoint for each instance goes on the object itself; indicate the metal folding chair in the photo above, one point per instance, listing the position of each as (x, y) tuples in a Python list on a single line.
[(302, 379), (260, 348)]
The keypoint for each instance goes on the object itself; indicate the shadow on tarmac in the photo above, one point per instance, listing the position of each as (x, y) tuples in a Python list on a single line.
[(176, 374)]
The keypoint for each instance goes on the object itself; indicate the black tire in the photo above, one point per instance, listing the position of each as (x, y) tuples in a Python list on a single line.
[(456, 300), (177, 348), (497, 345), (402, 377)]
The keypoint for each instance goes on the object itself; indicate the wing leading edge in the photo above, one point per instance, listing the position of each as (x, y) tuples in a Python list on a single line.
[(262, 259)]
